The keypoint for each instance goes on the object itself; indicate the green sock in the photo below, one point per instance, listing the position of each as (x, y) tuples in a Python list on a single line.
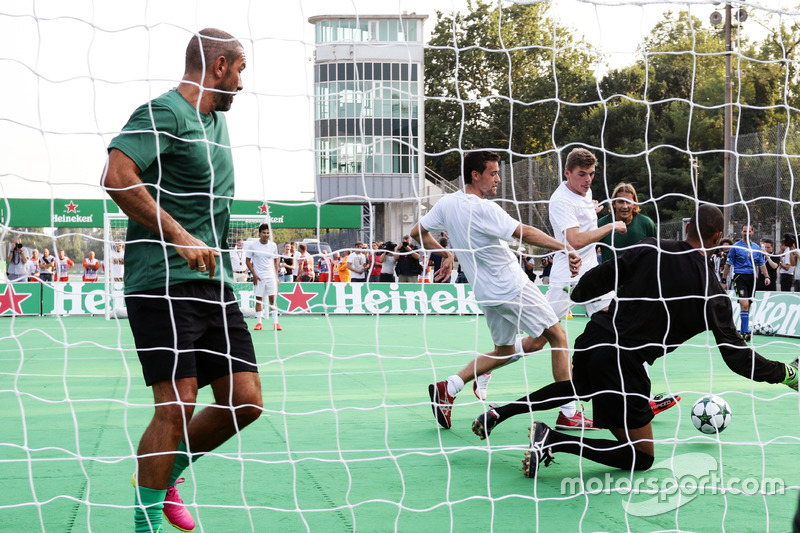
[(147, 513), (181, 462)]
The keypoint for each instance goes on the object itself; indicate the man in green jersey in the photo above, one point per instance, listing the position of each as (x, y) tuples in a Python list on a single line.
[(171, 171)]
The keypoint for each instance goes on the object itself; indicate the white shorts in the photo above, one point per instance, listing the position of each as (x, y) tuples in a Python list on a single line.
[(560, 301), (266, 286), (528, 312)]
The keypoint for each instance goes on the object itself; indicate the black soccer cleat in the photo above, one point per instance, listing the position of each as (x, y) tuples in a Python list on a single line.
[(484, 424), (539, 451)]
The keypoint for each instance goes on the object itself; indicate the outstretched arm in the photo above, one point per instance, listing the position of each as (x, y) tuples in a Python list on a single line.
[(537, 237)]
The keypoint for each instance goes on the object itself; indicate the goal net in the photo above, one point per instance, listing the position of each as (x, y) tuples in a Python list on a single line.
[(375, 104)]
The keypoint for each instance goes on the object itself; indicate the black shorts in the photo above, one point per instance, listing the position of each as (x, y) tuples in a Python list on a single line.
[(193, 332), (614, 379), (743, 285)]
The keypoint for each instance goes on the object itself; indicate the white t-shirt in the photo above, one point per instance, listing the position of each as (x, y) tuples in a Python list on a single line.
[(238, 256), (357, 261), (297, 257), (786, 259), (117, 269), (479, 231), (570, 210), (263, 257)]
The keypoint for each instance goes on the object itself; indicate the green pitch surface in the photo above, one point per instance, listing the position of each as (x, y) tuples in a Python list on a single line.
[(348, 442)]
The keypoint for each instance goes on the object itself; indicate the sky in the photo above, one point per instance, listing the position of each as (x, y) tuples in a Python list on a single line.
[(74, 70)]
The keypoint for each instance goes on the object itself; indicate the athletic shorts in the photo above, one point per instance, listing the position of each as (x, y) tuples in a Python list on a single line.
[(560, 301), (266, 286), (743, 285), (528, 312), (613, 378), (191, 333)]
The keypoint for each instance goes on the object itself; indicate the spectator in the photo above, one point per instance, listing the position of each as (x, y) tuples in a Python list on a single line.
[(408, 266), (376, 263), (547, 265), (388, 262), (239, 262), (305, 264), (725, 244), (772, 262), (526, 262), (357, 263), (625, 207), (63, 266), (16, 261), (286, 264), (91, 267), (344, 271), (324, 266), (46, 264), (717, 260), (336, 260), (32, 266), (297, 257), (118, 262), (786, 272), (436, 260)]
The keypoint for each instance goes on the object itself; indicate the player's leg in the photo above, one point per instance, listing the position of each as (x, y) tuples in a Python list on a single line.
[(258, 292), (174, 405), (272, 291), (632, 450), (443, 393)]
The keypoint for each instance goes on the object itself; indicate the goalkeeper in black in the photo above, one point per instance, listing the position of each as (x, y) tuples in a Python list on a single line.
[(668, 294)]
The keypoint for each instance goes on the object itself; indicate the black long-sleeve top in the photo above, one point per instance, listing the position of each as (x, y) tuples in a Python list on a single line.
[(667, 294)]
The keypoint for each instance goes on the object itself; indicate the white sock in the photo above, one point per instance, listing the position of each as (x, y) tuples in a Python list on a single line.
[(274, 314), (454, 385), (569, 409), (259, 314), (518, 346)]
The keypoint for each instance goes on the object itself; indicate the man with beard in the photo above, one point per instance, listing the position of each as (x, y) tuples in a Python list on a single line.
[(171, 171)]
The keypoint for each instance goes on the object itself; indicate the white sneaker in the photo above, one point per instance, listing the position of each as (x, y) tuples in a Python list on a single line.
[(481, 386)]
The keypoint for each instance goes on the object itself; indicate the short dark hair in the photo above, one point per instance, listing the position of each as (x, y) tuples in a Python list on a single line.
[(215, 43), (262, 227), (708, 220), (768, 241), (477, 161)]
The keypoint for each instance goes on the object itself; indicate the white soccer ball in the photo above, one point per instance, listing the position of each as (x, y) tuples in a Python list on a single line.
[(711, 414)]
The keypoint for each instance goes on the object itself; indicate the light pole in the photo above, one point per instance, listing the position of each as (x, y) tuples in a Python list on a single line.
[(716, 19)]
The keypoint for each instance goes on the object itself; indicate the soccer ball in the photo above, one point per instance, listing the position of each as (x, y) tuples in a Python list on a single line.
[(711, 414), (763, 329)]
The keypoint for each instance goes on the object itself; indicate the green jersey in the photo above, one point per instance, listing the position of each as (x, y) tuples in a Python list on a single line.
[(640, 227), (186, 164)]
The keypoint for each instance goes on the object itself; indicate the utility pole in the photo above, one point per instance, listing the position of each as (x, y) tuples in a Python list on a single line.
[(728, 125)]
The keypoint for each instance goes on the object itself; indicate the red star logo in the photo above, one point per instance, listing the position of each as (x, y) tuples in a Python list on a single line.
[(71, 207), (9, 301), (297, 298), (263, 209)]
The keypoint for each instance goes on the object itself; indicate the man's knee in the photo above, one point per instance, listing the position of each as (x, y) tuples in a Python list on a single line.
[(643, 460)]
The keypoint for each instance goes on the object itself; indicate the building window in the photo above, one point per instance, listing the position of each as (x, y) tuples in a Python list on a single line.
[(352, 30)]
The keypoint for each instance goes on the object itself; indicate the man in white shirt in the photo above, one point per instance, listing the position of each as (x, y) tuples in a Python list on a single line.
[(118, 262), (239, 262), (479, 231), (262, 260), (573, 215), (357, 263)]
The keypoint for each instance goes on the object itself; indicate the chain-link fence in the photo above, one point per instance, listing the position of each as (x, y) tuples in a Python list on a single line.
[(763, 183)]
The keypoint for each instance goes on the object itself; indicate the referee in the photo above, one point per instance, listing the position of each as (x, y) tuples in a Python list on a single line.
[(646, 321), (745, 256)]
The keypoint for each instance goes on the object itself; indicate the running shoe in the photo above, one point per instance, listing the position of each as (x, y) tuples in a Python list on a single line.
[(481, 386), (576, 421), (441, 402), (483, 425), (539, 451)]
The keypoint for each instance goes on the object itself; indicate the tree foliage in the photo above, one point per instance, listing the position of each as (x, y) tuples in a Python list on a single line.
[(509, 78)]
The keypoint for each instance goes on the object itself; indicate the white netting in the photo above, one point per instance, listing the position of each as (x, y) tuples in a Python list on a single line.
[(377, 107)]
